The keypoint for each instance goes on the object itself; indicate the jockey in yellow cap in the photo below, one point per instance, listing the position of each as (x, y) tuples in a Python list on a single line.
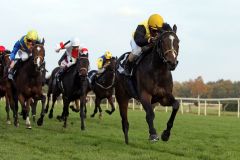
[(24, 48), (144, 35), (103, 61)]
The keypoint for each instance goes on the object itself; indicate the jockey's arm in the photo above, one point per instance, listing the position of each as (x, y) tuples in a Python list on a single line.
[(139, 36), (63, 46), (16, 47), (100, 63)]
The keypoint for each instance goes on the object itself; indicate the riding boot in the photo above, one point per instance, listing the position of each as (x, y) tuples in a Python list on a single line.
[(132, 88), (13, 70), (11, 73), (128, 68)]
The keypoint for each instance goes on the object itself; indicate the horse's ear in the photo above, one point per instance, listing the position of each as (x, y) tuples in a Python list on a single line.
[(175, 28), (116, 57), (43, 41)]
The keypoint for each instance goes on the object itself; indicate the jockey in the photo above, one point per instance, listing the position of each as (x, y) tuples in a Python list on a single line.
[(103, 61), (24, 48), (73, 49), (145, 34)]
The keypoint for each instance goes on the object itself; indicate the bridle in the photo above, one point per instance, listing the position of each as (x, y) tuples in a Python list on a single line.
[(159, 47), (82, 68)]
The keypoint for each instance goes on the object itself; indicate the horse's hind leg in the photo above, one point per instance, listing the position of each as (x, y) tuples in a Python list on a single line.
[(7, 107), (167, 101), (43, 101), (123, 108), (47, 105), (54, 98), (33, 109), (110, 100), (97, 104), (77, 108), (146, 102)]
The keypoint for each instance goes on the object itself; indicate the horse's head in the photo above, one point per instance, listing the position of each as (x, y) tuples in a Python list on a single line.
[(4, 58), (167, 45), (38, 53), (112, 64), (82, 66)]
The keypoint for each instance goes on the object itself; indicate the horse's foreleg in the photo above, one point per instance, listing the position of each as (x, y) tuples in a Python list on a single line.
[(65, 111), (110, 100), (33, 109), (167, 101), (145, 99), (27, 107), (43, 101), (82, 114)]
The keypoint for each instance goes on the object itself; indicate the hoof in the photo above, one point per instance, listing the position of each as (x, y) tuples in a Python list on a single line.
[(100, 116), (46, 110), (108, 112), (92, 115), (59, 118), (16, 124), (82, 128), (153, 138), (50, 115), (8, 122), (28, 127), (34, 118), (165, 135), (40, 122)]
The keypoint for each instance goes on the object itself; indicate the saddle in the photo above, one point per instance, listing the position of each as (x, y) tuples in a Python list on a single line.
[(59, 75), (130, 81)]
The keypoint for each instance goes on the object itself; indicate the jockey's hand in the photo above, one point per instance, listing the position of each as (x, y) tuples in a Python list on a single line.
[(152, 39), (58, 50)]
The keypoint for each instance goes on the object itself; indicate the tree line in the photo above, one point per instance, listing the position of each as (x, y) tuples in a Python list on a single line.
[(197, 88)]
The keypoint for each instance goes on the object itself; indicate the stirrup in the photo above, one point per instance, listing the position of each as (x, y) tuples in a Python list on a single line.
[(127, 72)]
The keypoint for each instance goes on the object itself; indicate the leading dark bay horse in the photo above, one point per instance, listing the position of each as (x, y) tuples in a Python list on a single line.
[(103, 86), (152, 81), (27, 85)]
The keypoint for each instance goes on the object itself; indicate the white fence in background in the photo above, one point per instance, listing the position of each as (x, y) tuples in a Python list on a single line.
[(202, 103), (186, 105)]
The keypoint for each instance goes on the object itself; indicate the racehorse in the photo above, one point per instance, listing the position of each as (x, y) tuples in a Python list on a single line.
[(152, 80), (54, 92), (4, 61), (75, 87), (74, 82), (103, 86), (27, 85)]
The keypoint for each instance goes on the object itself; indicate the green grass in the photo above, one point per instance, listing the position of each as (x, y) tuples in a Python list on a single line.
[(193, 137)]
